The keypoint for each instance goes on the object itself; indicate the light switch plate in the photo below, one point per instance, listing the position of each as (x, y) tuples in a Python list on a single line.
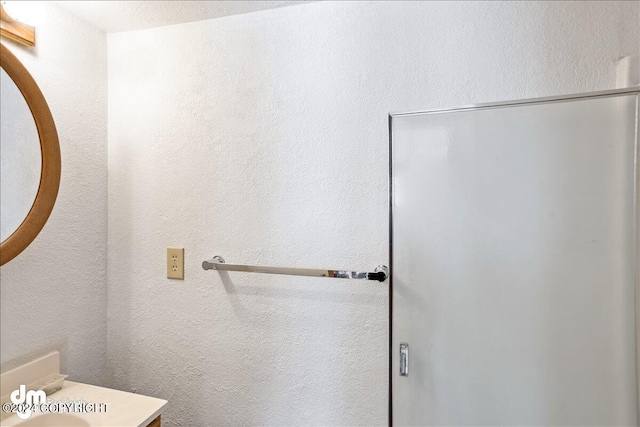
[(175, 263)]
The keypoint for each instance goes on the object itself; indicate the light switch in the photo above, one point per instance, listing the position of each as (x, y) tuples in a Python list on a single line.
[(175, 263)]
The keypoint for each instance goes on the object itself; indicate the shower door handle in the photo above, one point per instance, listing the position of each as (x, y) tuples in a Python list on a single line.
[(404, 359)]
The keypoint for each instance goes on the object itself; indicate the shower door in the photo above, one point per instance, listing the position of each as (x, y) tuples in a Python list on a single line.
[(514, 264)]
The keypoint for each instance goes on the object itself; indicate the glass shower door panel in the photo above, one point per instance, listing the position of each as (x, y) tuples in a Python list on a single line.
[(514, 266)]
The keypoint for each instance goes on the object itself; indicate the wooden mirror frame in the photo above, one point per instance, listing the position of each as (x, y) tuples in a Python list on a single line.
[(50, 150)]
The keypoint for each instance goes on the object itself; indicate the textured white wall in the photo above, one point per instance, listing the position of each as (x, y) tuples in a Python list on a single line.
[(263, 138), (53, 295)]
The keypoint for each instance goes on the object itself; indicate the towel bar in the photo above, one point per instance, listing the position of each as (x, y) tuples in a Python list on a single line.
[(380, 273)]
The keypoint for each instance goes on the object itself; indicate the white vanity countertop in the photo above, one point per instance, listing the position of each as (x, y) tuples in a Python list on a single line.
[(123, 409)]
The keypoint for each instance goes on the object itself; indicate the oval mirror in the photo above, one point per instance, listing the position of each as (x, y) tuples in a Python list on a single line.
[(20, 159), (29, 158)]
